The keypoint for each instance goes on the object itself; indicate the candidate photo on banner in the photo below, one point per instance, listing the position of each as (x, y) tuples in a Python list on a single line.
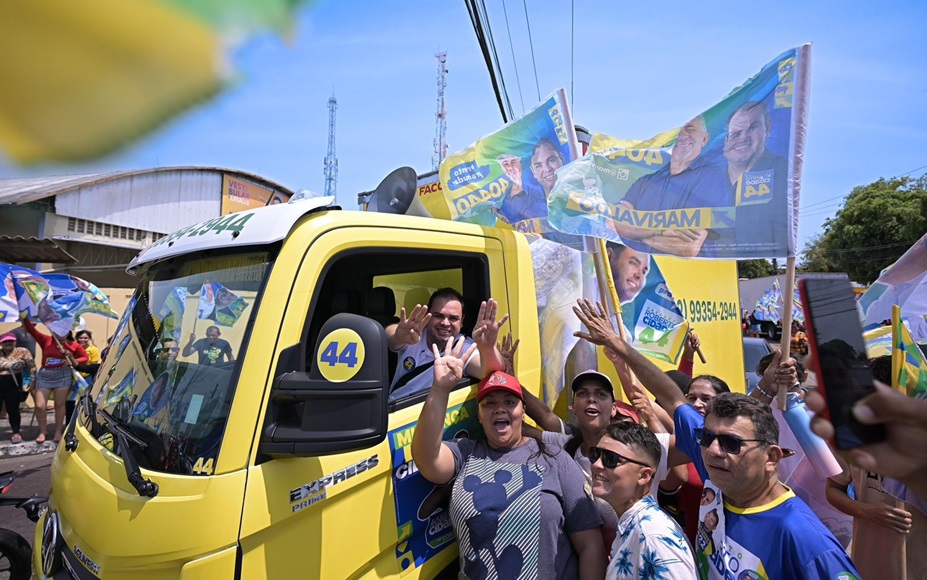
[(723, 186), (504, 178)]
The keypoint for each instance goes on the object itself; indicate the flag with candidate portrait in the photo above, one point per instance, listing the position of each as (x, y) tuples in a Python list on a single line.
[(170, 316), (725, 185), (771, 302), (220, 304), (504, 178)]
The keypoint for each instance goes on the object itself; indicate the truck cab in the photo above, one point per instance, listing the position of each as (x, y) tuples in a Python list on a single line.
[(241, 424)]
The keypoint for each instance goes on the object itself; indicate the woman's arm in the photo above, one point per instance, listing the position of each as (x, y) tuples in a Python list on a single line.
[(435, 460), (591, 551)]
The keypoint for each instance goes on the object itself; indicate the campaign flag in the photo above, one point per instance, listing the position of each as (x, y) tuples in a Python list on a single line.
[(723, 186), (559, 273), (122, 389), (909, 369), (903, 283), (21, 288), (171, 314), (878, 342), (504, 178), (769, 304), (95, 301), (220, 304)]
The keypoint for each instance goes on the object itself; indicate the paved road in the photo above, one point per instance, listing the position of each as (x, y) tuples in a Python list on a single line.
[(32, 478)]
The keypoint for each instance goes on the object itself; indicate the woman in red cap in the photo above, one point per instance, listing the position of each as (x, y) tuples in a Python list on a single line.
[(517, 506), (59, 354), (14, 363)]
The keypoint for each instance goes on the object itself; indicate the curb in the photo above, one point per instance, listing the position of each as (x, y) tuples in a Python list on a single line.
[(8, 449)]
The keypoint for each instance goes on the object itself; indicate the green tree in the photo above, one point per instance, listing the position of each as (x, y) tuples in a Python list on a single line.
[(754, 268), (877, 224)]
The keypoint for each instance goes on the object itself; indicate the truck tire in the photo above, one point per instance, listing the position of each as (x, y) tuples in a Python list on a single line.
[(15, 556)]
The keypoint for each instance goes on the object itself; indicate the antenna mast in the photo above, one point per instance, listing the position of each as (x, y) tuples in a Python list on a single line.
[(331, 162), (440, 116)]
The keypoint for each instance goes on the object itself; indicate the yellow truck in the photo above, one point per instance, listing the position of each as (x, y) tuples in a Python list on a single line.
[(240, 425)]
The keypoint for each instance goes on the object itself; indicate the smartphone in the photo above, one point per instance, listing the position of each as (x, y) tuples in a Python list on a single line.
[(839, 355)]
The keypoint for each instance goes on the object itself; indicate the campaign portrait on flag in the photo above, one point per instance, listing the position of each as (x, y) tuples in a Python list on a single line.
[(725, 185), (504, 178)]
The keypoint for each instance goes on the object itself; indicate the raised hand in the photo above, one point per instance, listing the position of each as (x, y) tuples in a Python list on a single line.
[(409, 329), (507, 349), (596, 321), (449, 367), (486, 329)]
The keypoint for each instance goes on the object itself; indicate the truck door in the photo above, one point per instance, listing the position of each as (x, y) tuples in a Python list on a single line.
[(365, 512)]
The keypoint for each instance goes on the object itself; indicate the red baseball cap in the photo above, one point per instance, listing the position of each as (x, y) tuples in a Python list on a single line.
[(627, 410), (499, 381), (8, 337)]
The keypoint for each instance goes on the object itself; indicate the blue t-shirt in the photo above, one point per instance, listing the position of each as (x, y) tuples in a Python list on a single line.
[(782, 539)]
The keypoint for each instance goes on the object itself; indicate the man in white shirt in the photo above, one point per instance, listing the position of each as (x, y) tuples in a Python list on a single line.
[(441, 320), (649, 543)]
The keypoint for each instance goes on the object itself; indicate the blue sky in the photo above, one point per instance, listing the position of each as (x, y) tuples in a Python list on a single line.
[(636, 71)]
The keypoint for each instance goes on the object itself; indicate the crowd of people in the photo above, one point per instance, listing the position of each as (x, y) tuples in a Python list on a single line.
[(685, 485)]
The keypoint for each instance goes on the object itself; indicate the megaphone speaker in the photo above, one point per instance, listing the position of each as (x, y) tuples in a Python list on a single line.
[(396, 192)]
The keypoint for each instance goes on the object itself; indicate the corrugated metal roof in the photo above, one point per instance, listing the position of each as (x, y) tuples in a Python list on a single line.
[(21, 249), (29, 189)]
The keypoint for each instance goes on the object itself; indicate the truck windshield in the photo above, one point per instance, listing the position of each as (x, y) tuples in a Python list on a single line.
[(168, 374)]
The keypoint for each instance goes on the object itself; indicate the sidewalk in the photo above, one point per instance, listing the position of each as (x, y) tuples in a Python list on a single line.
[(29, 431)]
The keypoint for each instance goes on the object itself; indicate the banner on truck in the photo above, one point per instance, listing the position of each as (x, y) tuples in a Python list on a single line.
[(724, 186)]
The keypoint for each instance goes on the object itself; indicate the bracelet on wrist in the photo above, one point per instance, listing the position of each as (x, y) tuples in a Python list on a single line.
[(759, 387)]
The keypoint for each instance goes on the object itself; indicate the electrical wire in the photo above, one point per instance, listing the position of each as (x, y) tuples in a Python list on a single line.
[(514, 60), (534, 63), (495, 58), (488, 50)]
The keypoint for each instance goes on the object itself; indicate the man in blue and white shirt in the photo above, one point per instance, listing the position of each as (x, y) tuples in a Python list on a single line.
[(649, 543)]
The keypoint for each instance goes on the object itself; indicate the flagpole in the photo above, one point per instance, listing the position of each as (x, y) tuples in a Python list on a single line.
[(786, 338)]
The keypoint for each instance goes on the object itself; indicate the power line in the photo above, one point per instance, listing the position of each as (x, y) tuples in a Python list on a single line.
[(514, 60), (572, 47), (537, 86), (487, 48)]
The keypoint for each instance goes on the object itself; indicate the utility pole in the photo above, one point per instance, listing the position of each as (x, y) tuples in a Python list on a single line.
[(331, 162), (441, 115)]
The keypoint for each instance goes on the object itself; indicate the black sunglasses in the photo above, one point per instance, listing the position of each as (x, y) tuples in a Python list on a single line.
[(610, 459), (728, 443)]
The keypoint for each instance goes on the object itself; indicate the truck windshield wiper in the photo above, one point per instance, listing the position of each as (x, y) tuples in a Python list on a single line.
[(89, 408), (144, 487)]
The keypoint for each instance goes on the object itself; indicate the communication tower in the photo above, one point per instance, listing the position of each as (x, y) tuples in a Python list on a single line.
[(331, 162), (440, 116)]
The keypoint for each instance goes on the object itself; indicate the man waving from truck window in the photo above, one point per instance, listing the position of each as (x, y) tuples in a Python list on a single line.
[(413, 336)]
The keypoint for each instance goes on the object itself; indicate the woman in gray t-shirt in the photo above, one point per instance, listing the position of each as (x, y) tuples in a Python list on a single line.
[(519, 508)]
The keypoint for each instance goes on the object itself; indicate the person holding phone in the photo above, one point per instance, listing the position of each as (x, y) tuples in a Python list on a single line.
[(757, 524)]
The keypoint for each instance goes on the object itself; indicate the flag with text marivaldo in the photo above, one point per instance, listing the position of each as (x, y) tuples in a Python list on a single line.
[(723, 186)]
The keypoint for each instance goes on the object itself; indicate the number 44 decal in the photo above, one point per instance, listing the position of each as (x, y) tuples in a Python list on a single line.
[(347, 356), (341, 355)]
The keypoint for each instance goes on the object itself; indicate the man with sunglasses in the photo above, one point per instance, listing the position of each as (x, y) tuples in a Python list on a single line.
[(434, 325), (649, 543), (762, 527)]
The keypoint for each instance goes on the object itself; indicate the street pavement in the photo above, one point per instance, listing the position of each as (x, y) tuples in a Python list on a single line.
[(32, 478)]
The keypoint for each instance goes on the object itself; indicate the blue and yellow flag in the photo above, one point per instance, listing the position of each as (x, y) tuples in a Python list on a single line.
[(909, 369), (723, 186), (220, 304)]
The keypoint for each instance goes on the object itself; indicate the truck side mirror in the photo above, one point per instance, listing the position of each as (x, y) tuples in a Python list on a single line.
[(340, 405)]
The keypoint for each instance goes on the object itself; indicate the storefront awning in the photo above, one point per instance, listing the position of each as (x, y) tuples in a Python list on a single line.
[(15, 249)]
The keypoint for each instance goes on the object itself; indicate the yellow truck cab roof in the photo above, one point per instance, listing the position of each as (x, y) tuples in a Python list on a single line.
[(264, 225)]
